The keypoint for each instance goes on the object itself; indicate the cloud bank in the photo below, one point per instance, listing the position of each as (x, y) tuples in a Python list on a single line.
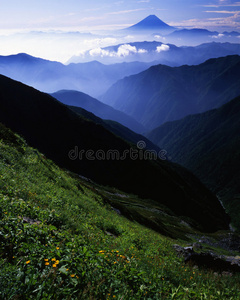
[(122, 51), (162, 48)]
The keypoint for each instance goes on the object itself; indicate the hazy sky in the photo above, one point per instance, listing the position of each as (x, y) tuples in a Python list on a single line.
[(106, 14), (36, 26)]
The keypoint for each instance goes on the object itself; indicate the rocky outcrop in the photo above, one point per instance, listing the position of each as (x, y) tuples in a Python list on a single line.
[(209, 260)]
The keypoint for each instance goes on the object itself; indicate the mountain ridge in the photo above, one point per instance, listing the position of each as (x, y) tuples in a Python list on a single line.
[(166, 93), (79, 145), (208, 144), (79, 99)]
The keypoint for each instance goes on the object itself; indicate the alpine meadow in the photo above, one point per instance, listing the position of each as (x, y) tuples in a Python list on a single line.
[(119, 150)]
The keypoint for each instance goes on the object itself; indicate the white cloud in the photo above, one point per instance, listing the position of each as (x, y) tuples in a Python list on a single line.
[(126, 49), (228, 23), (122, 51), (223, 3), (159, 37), (100, 42), (220, 35), (222, 11), (161, 48), (142, 51), (99, 52), (125, 11)]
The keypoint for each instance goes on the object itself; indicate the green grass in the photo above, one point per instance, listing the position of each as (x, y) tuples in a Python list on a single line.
[(78, 246)]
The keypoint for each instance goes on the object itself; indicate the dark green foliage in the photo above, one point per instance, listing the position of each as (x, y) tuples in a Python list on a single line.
[(208, 144), (162, 93), (56, 130), (118, 129), (59, 239)]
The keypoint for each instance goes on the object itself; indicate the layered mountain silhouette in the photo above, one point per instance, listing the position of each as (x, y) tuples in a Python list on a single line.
[(151, 23), (79, 99), (81, 145), (209, 145), (92, 78), (95, 78), (163, 93)]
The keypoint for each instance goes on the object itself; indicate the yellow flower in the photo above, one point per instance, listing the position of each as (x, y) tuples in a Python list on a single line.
[(45, 259), (57, 262), (46, 263), (53, 259), (67, 269), (28, 262), (57, 248), (115, 262), (72, 275), (54, 265)]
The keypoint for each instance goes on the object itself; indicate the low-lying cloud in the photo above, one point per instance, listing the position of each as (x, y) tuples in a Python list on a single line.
[(220, 35), (122, 51), (161, 48)]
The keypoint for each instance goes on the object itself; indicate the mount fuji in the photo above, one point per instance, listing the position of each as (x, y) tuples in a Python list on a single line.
[(151, 23)]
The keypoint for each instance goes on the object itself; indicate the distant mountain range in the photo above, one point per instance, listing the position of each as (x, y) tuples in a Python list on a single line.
[(153, 25), (163, 93), (152, 28), (208, 144), (196, 36), (80, 144), (95, 78), (79, 99)]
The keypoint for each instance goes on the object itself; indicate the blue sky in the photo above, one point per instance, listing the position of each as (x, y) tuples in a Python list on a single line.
[(51, 29), (99, 14)]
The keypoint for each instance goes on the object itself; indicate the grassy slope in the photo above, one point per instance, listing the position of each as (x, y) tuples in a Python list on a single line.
[(55, 130), (79, 248)]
